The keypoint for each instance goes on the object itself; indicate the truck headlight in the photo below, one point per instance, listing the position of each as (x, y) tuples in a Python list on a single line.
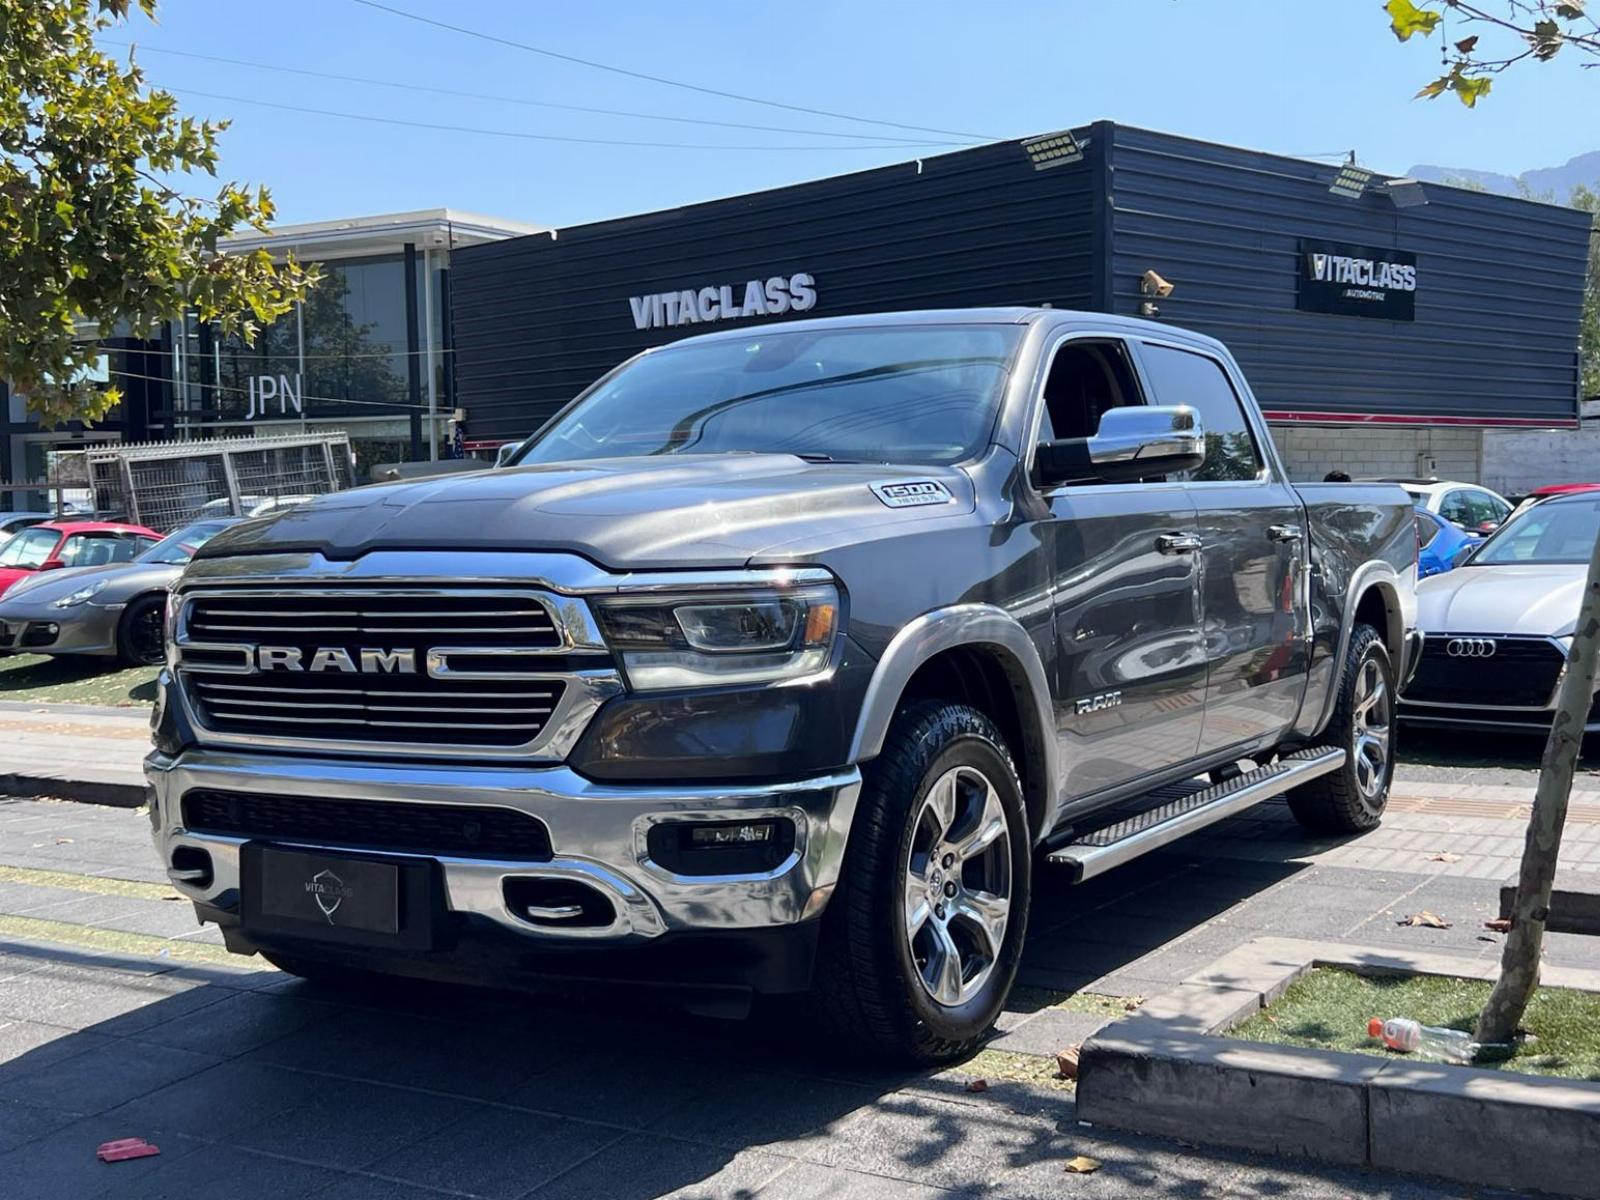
[(715, 639), (81, 596)]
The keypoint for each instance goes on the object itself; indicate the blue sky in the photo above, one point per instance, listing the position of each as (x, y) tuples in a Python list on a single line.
[(1284, 75)]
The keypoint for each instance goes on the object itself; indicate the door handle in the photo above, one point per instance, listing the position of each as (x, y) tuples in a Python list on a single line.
[(1177, 543), (1284, 533)]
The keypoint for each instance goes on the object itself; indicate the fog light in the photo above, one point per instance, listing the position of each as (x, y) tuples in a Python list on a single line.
[(721, 847), (732, 835)]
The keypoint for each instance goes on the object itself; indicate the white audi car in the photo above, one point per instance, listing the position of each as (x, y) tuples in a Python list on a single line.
[(1496, 630)]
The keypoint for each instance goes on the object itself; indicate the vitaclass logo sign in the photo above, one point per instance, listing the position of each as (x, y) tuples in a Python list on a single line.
[(1363, 272), (725, 302)]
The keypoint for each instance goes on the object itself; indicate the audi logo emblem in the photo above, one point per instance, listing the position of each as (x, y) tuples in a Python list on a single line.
[(1470, 648)]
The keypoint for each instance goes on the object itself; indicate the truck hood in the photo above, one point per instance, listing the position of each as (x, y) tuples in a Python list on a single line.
[(1527, 599), (666, 512)]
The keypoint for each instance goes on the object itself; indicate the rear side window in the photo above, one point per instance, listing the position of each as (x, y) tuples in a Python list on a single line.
[(99, 549), (1426, 532), (1184, 377)]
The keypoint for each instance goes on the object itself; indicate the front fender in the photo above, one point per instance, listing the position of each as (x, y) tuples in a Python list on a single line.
[(969, 626)]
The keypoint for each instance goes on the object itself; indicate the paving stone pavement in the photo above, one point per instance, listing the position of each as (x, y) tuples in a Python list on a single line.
[(120, 1017)]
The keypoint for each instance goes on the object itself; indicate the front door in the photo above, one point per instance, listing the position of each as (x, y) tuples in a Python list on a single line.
[(1131, 670), (1252, 530)]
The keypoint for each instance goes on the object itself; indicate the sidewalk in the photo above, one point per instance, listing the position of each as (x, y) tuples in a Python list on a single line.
[(75, 752)]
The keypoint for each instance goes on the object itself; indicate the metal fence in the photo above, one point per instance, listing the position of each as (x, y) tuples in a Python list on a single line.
[(166, 484)]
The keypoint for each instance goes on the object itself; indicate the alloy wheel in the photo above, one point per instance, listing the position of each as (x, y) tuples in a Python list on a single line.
[(1374, 719), (957, 885)]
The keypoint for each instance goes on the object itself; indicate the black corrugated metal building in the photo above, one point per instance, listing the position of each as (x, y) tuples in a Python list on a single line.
[(1419, 311)]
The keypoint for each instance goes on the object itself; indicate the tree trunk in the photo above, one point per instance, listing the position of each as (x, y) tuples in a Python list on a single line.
[(1519, 964)]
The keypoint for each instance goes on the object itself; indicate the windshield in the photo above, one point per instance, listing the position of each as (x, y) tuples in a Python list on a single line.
[(29, 548), (179, 546), (1556, 531), (923, 394)]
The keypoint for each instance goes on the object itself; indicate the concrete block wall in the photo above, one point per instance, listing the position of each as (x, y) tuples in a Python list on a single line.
[(1311, 451), (1517, 461)]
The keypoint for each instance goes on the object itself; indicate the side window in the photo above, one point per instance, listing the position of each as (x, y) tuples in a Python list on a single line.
[(1184, 377), (1426, 531), (1086, 379), (1457, 507)]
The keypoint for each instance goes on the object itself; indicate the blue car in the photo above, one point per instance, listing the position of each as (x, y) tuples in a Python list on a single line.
[(1440, 543)]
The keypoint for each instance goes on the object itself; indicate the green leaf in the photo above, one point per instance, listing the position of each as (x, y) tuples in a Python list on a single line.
[(1406, 19), (1436, 88), (1470, 88)]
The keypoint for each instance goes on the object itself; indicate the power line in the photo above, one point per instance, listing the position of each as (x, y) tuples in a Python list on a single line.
[(535, 137), (497, 99), (677, 83)]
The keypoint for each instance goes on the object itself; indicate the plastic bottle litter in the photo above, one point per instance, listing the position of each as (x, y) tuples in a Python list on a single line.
[(1425, 1041)]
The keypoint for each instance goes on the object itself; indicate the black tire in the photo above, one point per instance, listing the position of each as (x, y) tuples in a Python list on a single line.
[(1352, 799), (141, 632), (870, 983)]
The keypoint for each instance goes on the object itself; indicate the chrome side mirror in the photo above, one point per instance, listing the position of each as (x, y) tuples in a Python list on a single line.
[(1133, 442)]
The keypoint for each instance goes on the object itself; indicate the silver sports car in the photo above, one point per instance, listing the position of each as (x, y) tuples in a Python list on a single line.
[(1497, 629), (114, 611)]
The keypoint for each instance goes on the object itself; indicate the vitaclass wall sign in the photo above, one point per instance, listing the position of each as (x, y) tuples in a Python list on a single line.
[(1357, 281), (725, 302)]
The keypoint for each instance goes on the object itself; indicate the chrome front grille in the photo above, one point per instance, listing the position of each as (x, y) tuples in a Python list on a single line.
[(392, 669)]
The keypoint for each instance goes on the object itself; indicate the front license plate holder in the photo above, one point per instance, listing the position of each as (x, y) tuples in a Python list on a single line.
[(350, 899)]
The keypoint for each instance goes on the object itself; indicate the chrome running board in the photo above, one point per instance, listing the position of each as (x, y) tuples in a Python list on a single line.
[(1163, 816)]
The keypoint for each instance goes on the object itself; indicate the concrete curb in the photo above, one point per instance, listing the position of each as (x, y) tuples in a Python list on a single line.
[(84, 791), (1166, 1071)]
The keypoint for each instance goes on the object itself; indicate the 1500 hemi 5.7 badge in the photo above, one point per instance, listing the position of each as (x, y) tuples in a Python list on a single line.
[(913, 494)]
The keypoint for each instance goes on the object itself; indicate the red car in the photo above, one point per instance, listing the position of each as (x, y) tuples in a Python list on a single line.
[(57, 544)]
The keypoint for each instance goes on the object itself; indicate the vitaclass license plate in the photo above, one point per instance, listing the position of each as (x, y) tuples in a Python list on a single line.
[(338, 898)]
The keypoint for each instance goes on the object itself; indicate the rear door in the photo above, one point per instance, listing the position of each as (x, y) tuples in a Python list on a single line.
[(1131, 669), (1252, 529)]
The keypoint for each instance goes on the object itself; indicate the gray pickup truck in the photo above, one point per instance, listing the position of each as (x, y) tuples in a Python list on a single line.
[(778, 662)]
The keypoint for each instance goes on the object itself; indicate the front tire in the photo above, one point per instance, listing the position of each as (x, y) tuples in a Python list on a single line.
[(1352, 799), (922, 939), (141, 632)]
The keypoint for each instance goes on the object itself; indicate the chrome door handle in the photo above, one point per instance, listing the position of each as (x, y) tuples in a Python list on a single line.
[(1284, 533), (1178, 543)]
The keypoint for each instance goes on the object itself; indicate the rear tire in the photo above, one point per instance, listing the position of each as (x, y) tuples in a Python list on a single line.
[(923, 936), (1352, 799), (141, 633)]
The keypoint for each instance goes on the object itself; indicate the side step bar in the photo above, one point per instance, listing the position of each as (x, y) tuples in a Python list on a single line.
[(1166, 814)]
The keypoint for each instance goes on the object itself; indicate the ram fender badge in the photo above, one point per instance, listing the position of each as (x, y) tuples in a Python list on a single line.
[(912, 494), (1094, 704)]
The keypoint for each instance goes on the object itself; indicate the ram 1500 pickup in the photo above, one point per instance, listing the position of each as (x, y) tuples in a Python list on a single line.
[(778, 661)]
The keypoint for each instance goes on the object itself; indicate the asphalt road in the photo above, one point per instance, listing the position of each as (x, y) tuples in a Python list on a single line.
[(1483, 758)]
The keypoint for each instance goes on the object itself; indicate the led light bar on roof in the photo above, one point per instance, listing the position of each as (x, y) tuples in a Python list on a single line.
[(1351, 182), (1052, 150)]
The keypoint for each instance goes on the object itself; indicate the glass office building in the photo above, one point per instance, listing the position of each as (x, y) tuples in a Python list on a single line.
[(366, 353)]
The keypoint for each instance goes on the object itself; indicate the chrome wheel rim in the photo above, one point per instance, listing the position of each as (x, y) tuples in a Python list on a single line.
[(957, 886), (1374, 720)]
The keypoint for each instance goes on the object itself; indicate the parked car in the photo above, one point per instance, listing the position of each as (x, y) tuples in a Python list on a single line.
[(15, 522), (57, 545), (772, 662), (1497, 629), (116, 610), (1553, 489), (1474, 508), (1441, 544)]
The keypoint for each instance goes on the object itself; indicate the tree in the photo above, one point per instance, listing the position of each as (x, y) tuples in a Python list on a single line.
[(96, 238), (1588, 199), (1518, 30)]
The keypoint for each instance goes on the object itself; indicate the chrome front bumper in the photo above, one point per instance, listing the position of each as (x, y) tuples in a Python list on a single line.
[(598, 836)]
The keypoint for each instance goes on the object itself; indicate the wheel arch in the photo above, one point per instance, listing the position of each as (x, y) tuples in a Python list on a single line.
[(1373, 598), (977, 654)]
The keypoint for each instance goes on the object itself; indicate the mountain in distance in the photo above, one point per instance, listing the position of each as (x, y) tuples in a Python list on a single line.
[(1553, 182)]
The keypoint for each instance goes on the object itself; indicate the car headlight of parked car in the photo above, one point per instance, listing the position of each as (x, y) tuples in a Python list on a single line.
[(82, 596), (716, 639)]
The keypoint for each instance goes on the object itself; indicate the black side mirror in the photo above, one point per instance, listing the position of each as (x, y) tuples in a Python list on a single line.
[(1133, 442)]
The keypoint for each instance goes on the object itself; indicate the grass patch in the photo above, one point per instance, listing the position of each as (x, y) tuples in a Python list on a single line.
[(998, 1065), (1328, 1009), (1036, 999), (75, 679)]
